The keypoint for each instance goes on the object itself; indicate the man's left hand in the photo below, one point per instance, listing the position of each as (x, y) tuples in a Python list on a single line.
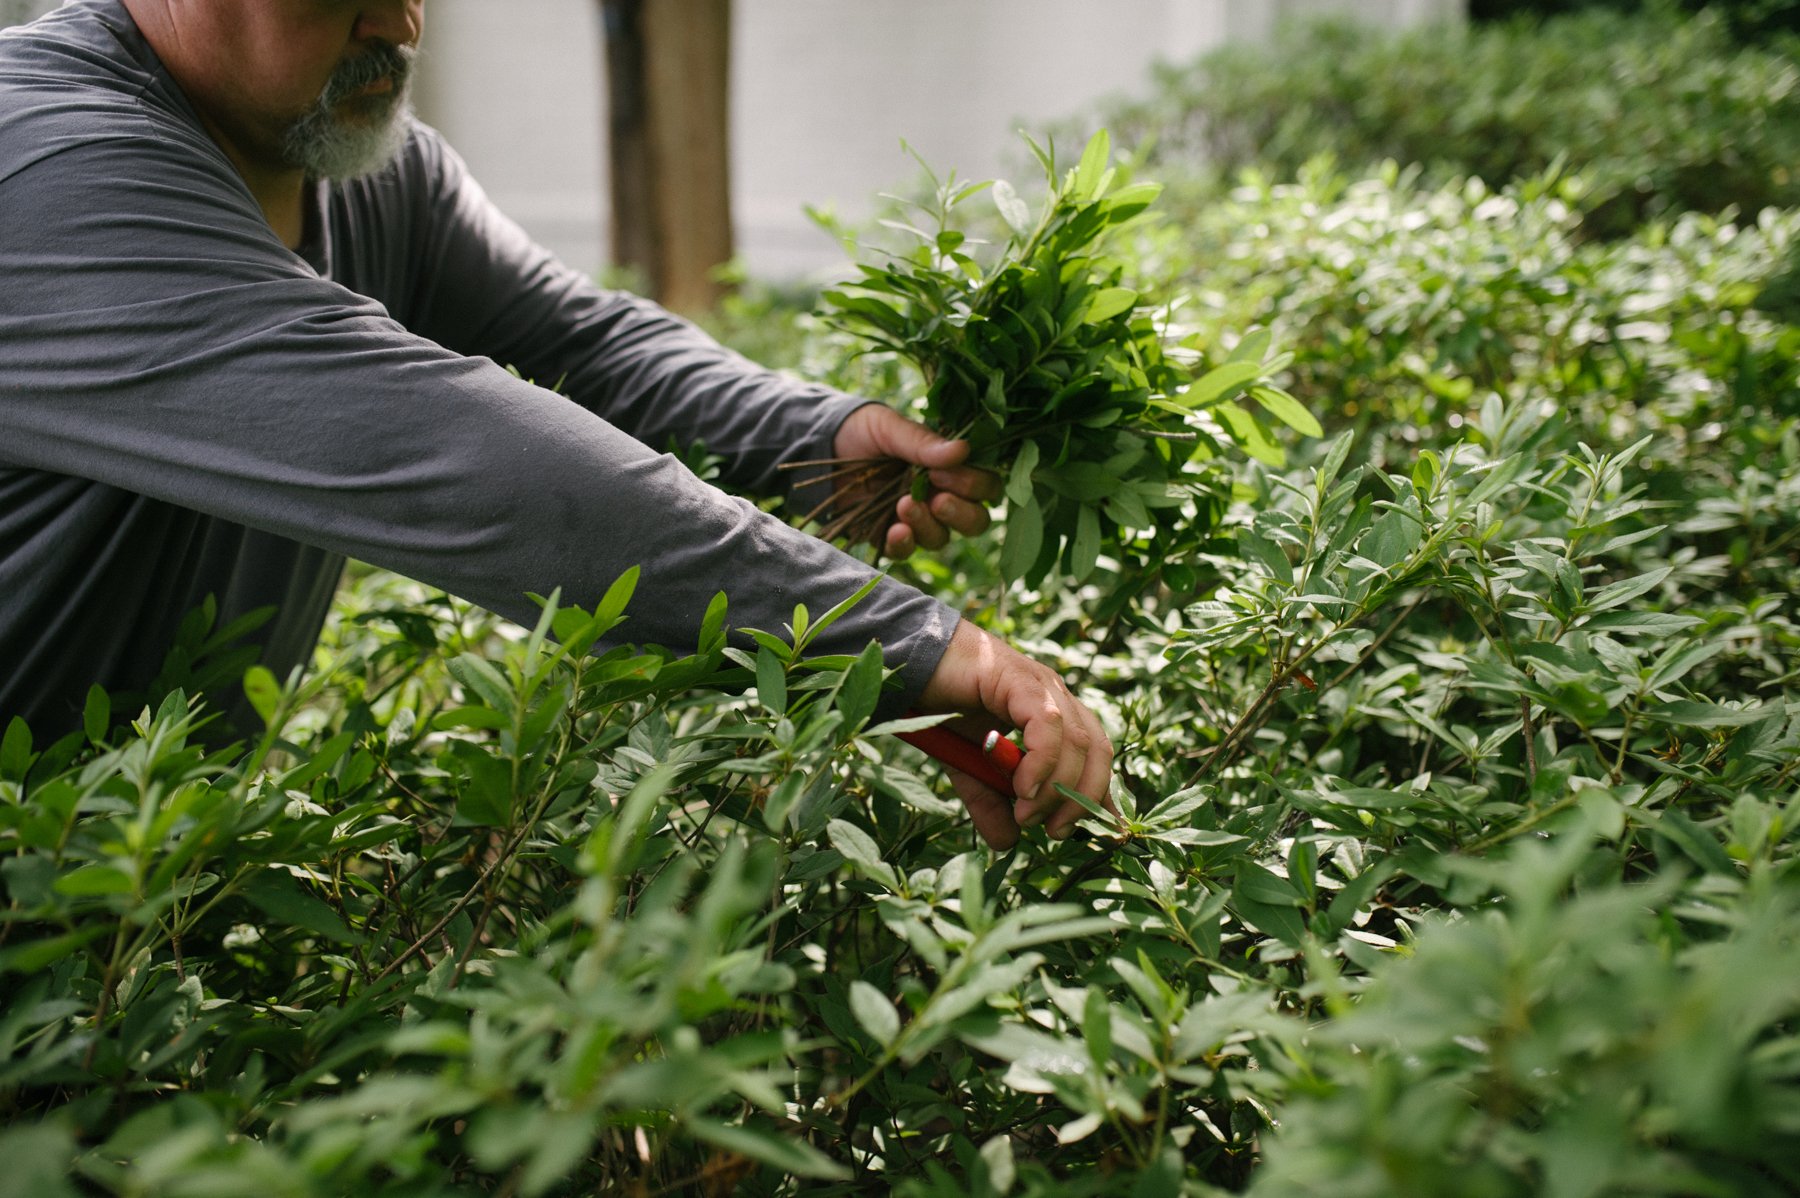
[(958, 496)]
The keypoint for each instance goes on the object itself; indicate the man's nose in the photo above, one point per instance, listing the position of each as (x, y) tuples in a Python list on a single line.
[(399, 22)]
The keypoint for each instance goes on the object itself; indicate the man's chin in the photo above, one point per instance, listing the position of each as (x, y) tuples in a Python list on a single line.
[(371, 109), (353, 143)]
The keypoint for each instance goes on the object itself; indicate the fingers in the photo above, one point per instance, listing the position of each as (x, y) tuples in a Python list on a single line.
[(877, 431), (959, 515), (929, 525), (900, 542), (989, 811), (1064, 742), (1072, 751), (969, 482)]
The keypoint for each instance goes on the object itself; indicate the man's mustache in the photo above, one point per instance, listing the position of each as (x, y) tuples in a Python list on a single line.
[(383, 61)]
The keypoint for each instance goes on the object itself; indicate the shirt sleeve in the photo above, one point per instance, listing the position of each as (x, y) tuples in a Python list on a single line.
[(156, 336), (493, 291)]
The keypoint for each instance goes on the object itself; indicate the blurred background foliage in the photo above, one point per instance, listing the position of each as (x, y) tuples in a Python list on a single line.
[(1659, 112), (1749, 20)]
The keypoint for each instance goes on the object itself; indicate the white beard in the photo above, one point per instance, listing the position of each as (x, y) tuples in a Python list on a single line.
[(326, 144)]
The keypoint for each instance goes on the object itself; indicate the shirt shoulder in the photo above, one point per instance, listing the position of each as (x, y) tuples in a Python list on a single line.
[(79, 75)]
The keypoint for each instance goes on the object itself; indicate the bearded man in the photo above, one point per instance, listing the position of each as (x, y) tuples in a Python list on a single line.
[(249, 326)]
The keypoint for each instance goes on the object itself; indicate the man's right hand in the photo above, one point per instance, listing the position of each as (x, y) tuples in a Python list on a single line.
[(996, 687)]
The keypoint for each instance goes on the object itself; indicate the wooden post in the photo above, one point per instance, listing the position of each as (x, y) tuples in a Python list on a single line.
[(668, 66)]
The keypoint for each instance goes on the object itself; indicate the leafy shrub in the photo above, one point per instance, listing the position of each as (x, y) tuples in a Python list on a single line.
[(1586, 1043), (1660, 114), (1748, 19), (1405, 307), (1457, 757), (1061, 376)]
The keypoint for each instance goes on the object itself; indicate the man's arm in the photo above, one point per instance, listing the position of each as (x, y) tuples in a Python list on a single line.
[(489, 290), (158, 338)]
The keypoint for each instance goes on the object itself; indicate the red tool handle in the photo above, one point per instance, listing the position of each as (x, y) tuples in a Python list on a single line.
[(991, 764)]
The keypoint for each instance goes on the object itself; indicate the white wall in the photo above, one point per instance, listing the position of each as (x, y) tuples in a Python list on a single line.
[(17, 12), (824, 91)]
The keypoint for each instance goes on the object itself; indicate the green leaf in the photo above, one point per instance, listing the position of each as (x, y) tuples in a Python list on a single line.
[(277, 895), (994, 398), (95, 881), (858, 849), (1096, 1028), (1218, 383), (263, 691), (1084, 482), (1287, 409), (1012, 209), (712, 628), (786, 1154), (1246, 431), (1024, 537), (1114, 301), (1284, 923), (1255, 882), (1127, 202), (39, 1159), (1391, 539), (617, 842), (15, 750), (1425, 473), (1676, 663), (1018, 480), (1693, 713), (468, 717), (484, 679), (1088, 805), (96, 714), (1335, 457), (36, 955), (322, 759), (1620, 593), (837, 611), (1696, 842), (1254, 347), (876, 1014), (1648, 623), (486, 797), (771, 682), (1088, 175), (612, 606), (911, 723), (997, 1158), (862, 688), (1084, 550)]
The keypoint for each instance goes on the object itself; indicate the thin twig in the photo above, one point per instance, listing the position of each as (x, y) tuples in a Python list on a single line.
[(1530, 740), (418, 946)]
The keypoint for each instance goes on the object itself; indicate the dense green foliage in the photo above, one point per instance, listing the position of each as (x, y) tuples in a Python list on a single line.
[(1660, 115), (1459, 753), (1064, 378), (1748, 19)]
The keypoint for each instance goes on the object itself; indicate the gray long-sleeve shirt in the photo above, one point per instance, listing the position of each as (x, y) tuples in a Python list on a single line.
[(187, 407)]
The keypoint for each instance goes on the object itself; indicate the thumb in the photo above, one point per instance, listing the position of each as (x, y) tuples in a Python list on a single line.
[(893, 435)]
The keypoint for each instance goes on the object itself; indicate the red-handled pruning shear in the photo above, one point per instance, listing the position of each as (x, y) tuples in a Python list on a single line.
[(991, 763)]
